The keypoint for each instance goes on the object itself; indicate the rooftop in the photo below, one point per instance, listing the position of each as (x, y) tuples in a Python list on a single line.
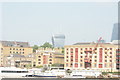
[(14, 44)]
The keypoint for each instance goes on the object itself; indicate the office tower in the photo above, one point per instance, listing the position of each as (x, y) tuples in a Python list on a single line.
[(116, 33), (58, 40)]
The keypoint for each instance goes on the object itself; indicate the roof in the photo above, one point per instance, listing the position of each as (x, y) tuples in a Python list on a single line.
[(14, 44), (16, 55), (87, 43), (56, 53)]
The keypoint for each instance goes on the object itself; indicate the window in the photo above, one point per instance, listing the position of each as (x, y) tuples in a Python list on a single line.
[(21, 45), (39, 59), (39, 62), (50, 63), (13, 48), (105, 65), (105, 52), (105, 60), (10, 52), (50, 56), (90, 56), (110, 60), (66, 64), (10, 49), (20, 49), (105, 48), (95, 56), (67, 56), (39, 56), (23, 52), (110, 48), (50, 60), (81, 53), (95, 65), (71, 59), (16, 49), (23, 49), (67, 60), (110, 52), (95, 60), (81, 65), (81, 60), (81, 49), (105, 56), (81, 56), (110, 56)]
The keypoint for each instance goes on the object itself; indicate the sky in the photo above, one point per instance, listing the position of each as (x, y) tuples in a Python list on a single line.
[(36, 22)]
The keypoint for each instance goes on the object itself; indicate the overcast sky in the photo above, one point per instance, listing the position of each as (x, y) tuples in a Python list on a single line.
[(37, 22)]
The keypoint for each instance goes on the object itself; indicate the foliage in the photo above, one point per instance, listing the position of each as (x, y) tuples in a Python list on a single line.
[(35, 47), (115, 73), (69, 71), (55, 65), (28, 66), (46, 45), (39, 66), (45, 67), (62, 50)]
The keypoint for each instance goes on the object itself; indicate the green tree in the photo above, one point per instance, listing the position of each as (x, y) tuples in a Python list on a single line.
[(35, 47), (62, 50), (46, 45)]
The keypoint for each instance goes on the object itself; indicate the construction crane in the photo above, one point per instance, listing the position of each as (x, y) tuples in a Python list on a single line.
[(87, 59)]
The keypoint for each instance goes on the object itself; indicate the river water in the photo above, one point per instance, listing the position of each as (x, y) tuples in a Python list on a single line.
[(55, 79)]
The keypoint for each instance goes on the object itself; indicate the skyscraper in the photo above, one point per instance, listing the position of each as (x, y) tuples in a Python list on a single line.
[(58, 40), (116, 32)]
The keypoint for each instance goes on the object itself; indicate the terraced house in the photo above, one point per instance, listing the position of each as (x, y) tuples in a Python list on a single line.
[(13, 47), (49, 56)]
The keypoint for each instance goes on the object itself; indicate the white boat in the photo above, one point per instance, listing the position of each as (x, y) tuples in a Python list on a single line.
[(83, 74), (51, 73), (12, 72)]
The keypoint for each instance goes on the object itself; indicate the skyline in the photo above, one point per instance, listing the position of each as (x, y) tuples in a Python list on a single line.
[(37, 22)]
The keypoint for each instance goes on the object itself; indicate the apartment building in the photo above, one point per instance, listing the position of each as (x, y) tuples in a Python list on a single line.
[(104, 57), (20, 61), (13, 47), (49, 56), (1, 55)]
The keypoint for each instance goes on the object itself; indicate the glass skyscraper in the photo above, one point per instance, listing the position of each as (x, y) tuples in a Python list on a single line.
[(116, 32), (58, 40)]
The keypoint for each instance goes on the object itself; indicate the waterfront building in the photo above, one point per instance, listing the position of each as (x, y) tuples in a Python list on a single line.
[(1, 55), (58, 40), (19, 61), (49, 56), (116, 32), (103, 57), (13, 47)]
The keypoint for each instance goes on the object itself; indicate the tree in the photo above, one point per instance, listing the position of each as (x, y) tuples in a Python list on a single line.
[(62, 50), (46, 45), (35, 47)]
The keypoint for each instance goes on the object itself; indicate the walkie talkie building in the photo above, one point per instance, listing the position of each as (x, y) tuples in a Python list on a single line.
[(58, 40)]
